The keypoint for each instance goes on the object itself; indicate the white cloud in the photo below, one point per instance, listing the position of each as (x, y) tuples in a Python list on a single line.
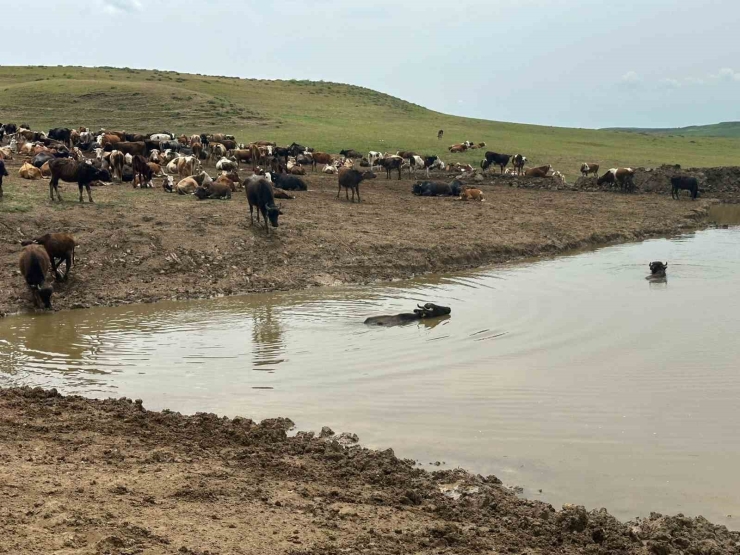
[(119, 6), (727, 74), (631, 78), (671, 83)]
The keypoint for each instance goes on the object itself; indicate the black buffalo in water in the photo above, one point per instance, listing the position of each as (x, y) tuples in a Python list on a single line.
[(429, 310), (690, 184), (657, 271)]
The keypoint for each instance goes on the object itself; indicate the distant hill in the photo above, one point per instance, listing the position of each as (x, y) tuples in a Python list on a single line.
[(726, 129), (326, 116)]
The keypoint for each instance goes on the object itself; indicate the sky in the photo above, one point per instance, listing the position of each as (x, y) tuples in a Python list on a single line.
[(570, 63)]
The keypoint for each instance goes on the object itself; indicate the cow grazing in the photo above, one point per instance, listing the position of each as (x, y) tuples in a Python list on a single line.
[(289, 182), (34, 266), (390, 163), (518, 162), (685, 183), (71, 171), (351, 179), (495, 159), (260, 195), (3, 173), (29, 171), (587, 169), (60, 247), (472, 194), (440, 133), (624, 177), (540, 171)]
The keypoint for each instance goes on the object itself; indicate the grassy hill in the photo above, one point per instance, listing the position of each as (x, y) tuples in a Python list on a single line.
[(327, 116), (727, 129)]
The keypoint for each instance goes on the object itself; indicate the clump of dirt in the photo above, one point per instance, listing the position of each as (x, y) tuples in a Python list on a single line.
[(138, 246), (204, 484)]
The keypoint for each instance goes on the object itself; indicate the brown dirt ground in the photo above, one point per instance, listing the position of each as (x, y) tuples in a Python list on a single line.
[(145, 245), (81, 476)]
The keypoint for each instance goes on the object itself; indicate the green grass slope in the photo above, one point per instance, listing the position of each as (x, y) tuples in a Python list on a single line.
[(327, 116), (727, 129)]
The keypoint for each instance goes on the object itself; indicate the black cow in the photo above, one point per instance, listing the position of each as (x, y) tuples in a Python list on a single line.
[(690, 184), (62, 134), (3, 173), (494, 158), (350, 179), (71, 171), (391, 163), (432, 189), (350, 153), (658, 269), (295, 149), (289, 182), (259, 194), (10, 128), (428, 310), (42, 158)]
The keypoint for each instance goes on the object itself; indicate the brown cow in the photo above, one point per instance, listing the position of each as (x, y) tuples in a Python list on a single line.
[(457, 148), (116, 161), (142, 171), (587, 168), (351, 179), (132, 148), (34, 266), (320, 158), (28, 171), (472, 194), (60, 247), (540, 171)]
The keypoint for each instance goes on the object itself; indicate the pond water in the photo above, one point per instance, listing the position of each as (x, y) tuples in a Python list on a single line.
[(575, 376)]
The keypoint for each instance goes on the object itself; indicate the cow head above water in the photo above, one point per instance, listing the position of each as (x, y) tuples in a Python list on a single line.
[(431, 310), (658, 268)]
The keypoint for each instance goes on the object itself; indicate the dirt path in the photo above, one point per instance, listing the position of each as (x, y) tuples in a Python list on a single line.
[(81, 476), (145, 245)]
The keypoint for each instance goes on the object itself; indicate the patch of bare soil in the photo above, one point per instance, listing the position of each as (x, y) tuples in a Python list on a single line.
[(146, 245), (91, 476)]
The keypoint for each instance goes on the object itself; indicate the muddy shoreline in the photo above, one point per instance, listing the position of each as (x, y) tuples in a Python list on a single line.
[(81, 475), (142, 246)]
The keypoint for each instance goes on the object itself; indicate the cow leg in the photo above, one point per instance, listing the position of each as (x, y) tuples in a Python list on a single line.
[(55, 263), (358, 195), (1, 190), (81, 186), (346, 193), (68, 260), (251, 215), (399, 173), (339, 191)]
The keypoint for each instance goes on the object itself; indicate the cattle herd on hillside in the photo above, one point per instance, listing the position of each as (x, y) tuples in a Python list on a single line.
[(90, 157)]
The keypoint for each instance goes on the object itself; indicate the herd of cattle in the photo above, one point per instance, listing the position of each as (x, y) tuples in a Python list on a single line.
[(86, 158)]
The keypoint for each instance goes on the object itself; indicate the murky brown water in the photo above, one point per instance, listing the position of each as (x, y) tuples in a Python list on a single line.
[(575, 376)]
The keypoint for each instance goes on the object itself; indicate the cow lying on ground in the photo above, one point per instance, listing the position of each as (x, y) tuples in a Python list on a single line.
[(432, 189), (540, 171), (60, 247), (472, 194), (587, 168), (29, 171), (429, 310), (289, 182), (679, 183), (213, 190)]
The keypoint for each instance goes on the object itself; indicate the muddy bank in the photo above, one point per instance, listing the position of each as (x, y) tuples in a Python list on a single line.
[(89, 476), (144, 245)]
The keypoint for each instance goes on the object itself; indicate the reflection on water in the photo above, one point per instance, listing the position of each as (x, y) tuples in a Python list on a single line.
[(575, 375)]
